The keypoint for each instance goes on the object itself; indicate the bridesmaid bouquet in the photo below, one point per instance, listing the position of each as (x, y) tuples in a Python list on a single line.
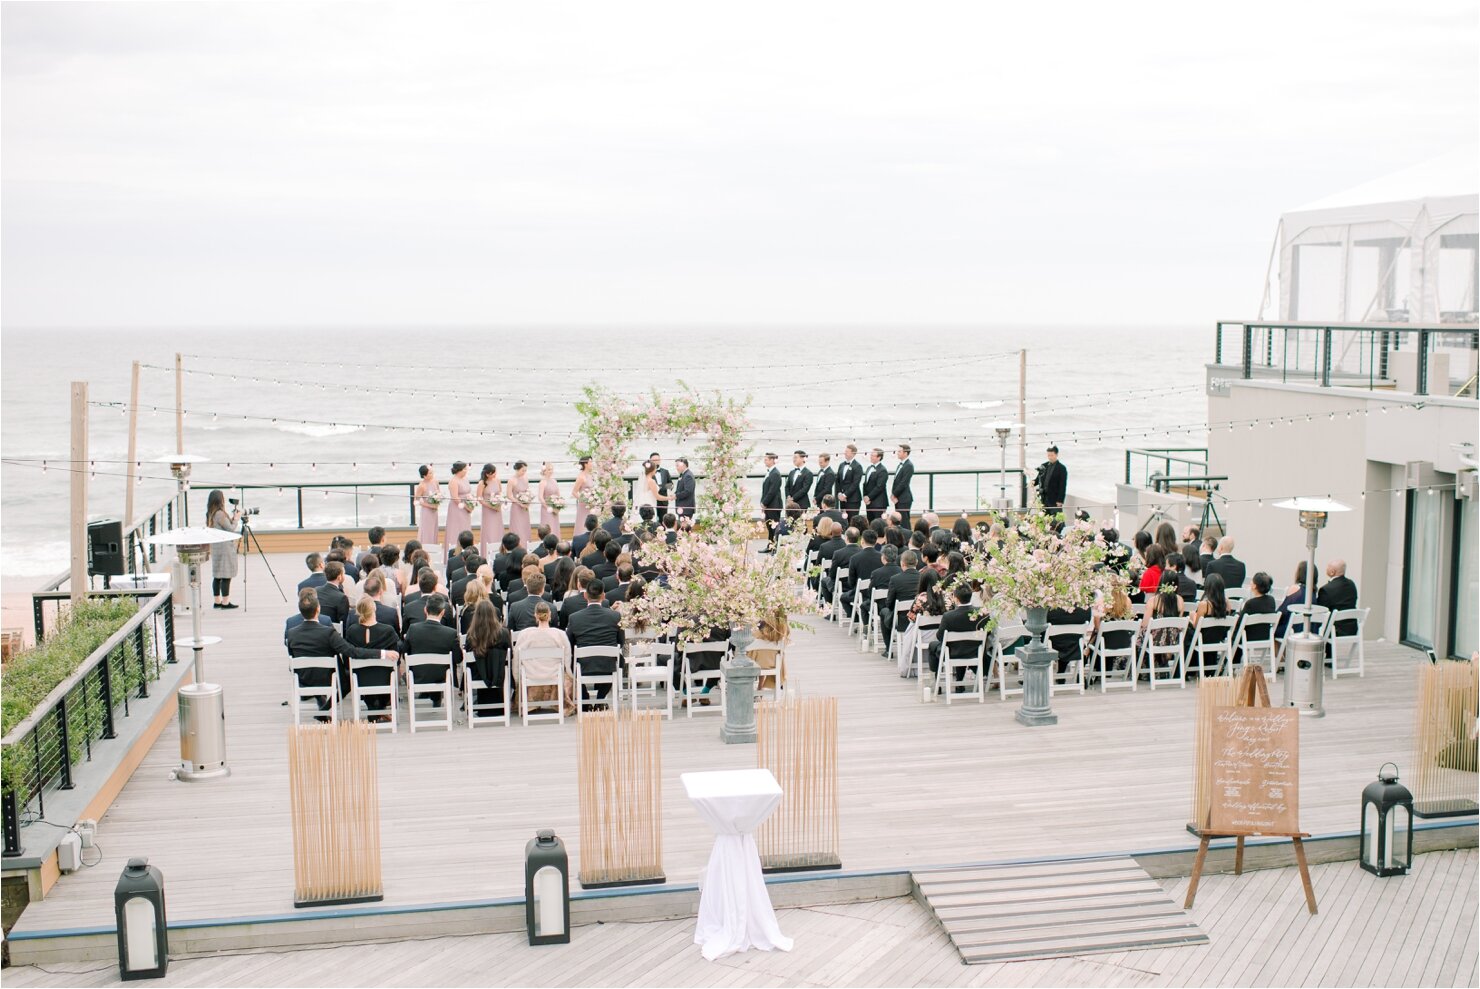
[(496, 502), (433, 499), (525, 498), (555, 502), (469, 504)]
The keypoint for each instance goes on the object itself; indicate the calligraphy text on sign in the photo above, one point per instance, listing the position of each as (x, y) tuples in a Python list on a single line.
[(1256, 771)]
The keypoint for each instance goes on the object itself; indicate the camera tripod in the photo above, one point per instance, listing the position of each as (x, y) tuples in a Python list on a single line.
[(250, 539)]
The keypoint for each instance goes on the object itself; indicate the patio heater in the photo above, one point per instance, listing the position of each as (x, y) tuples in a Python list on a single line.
[(180, 465), (1305, 667), (1003, 431), (202, 705)]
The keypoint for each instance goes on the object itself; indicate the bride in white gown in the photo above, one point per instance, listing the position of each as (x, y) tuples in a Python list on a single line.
[(646, 489)]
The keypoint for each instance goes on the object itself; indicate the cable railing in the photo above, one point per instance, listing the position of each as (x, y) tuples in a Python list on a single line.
[(1409, 358), (41, 754)]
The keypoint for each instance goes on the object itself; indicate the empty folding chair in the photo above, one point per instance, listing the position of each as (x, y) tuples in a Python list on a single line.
[(360, 692), (429, 678), (1004, 646), (650, 673), (329, 692), (1212, 639), (1346, 647), (900, 608), (541, 666), (1164, 655), (612, 680), (859, 613), (1253, 642), (1116, 644), (974, 664), (701, 668), (1073, 677)]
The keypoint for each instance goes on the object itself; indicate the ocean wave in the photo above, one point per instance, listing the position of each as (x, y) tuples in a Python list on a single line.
[(318, 428)]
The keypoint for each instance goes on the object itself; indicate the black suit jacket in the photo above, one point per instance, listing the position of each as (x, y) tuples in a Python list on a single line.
[(1053, 484), (827, 483), (880, 578), (861, 564), (771, 499), (1339, 594), (596, 626), (613, 525), (799, 486), (903, 499), (315, 579), (876, 486), (1229, 568), (433, 637), (903, 586), (521, 612), (826, 550), (850, 484), (573, 602), (318, 639), (384, 615), (295, 620), (959, 619), (333, 604), (506, 567), (841, 556), (683, 493)]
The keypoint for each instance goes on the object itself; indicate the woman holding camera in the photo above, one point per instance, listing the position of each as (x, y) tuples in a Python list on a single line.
[(223, 555)]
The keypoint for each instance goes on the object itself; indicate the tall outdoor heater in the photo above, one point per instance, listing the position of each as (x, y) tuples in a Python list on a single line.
[(202, 705), (1305, 665), (1003, 431), (180, 465)]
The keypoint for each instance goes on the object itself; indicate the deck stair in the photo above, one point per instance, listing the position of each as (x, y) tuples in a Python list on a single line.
[(1053, 909)]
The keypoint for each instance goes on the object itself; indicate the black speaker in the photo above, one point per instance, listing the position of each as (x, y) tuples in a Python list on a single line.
[(105, 549)]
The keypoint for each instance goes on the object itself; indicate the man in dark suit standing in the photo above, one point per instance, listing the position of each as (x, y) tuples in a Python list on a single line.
[(1053, 482), (958, 619), (903, 498), (683, 489), (433, 637), (596, 625), (772, 500), (850, 482), (827, 479), (875, 485), (799, 481), (1339, 593)]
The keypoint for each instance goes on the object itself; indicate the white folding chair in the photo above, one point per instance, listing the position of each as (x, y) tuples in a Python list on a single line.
[(694, 680), (1139, 609), (358, 693), (1207, 657), (875, 636), (1170, 653), (485, 712), (1073, 677), (650, 671), (429, 685), (925, 623), (1236, 596), (1300, 614), (858, 614), (761, 645), (837, 595), (891, 640), (613, 680), (436, 556), (1346, 647), (1103, 653), (301, 664), (945, 673), (1004, 644), (541, 666), (1252, 643)]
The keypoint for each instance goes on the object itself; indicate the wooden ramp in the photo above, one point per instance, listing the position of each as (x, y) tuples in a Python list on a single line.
[(1054, 909)]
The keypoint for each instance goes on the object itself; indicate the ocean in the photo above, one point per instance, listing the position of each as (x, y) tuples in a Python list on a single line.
[(316, 396)]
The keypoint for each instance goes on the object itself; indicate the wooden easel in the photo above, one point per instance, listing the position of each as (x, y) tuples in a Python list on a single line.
[(1253, 692)]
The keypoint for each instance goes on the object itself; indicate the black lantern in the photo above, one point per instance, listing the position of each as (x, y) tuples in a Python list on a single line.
[(547, 889), (138, 905), (1387, 825)]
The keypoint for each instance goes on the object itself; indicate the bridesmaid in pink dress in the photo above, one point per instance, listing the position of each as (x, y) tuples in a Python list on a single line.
[(490, 494), (459, 519), (584, 488), (519, 513), (426, 508), (549, 514)]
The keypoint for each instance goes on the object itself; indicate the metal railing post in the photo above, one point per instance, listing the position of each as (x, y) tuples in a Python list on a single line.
[(1218, 344), (12, 825), (299, 489), (1248, 361), (106, 688), (930, 491), (66, 743), (1326, 357), (38, 619), (1423, 362), (411, 505)]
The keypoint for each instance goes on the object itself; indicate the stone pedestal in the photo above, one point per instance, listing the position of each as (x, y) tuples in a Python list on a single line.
[(740, 679), (1038, 662)]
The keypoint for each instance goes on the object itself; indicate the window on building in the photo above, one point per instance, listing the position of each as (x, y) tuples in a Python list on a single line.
[(1421, 569), (1465, 600)]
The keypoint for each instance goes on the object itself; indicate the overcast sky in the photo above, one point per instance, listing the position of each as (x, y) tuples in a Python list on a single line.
[(282, 164)]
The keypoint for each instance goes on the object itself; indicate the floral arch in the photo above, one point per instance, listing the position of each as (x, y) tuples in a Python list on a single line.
[(610, 425)]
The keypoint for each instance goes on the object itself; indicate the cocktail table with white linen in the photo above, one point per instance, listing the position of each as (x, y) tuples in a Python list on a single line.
[(734, 908)]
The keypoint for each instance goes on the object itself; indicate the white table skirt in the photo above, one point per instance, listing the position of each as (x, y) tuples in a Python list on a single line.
[(735, 911)]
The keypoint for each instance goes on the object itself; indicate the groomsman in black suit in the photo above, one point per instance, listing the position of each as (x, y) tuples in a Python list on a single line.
[(664, 480), (903, 499), (772, 500), (850, 482), (683, 489), (875, 485), (799, 481), (1053, 482), (827, 479)]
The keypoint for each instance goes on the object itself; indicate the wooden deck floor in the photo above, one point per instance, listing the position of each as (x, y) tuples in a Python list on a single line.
[(920, 784), (1418, 930)]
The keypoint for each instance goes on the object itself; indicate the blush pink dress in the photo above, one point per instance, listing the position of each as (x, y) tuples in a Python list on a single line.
[(459, 519), (491, 523), (584, 488), (519, 514), (426, 516), (548, 515)]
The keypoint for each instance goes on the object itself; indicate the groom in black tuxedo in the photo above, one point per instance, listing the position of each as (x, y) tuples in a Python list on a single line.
[(683, 489), (903, 499), (799, 481), (772, 500), (827, 479), (850, 482), (663, 479), (876, 485)]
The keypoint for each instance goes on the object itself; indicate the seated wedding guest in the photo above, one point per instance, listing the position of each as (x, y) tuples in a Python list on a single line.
[(958, 619), (557, 577), (333, 602), (620, 581), (934, 557), (1166, 538), (487, 654), (521, 612), (543, 635), (1143, 543), (1294, 595), (830, 510), (506, 562), (1214, 604), (1117, 609), (1225, 565), (1151, 576), (771, 636), (833, 576), (1166, 603), (315, 578), (632, 592), (367, 632), (1069, 647), (374, 592), (647, 518), (1186, 586), (860, 565), (313, 638), (518, 589), (310, 595), (896, 537), (961, 529), (831, 534), (368, 563), (596, 625), (1339, 593), (459, 587), (376, 536), (342, 555), (608, 565), (614, 525), (390, 572), (903, 586), (579, 543), (955, 566), (930, 599), (431, 637), (575, 595), (1117, 553), (418, 562), (475, 595), (670, 528), (1259, 602), (1209, 547), (413, 605), (879, 580), (544, 548), (595, 550)]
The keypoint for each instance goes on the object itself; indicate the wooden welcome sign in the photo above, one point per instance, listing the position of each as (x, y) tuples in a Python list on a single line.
[(1252, 769)]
